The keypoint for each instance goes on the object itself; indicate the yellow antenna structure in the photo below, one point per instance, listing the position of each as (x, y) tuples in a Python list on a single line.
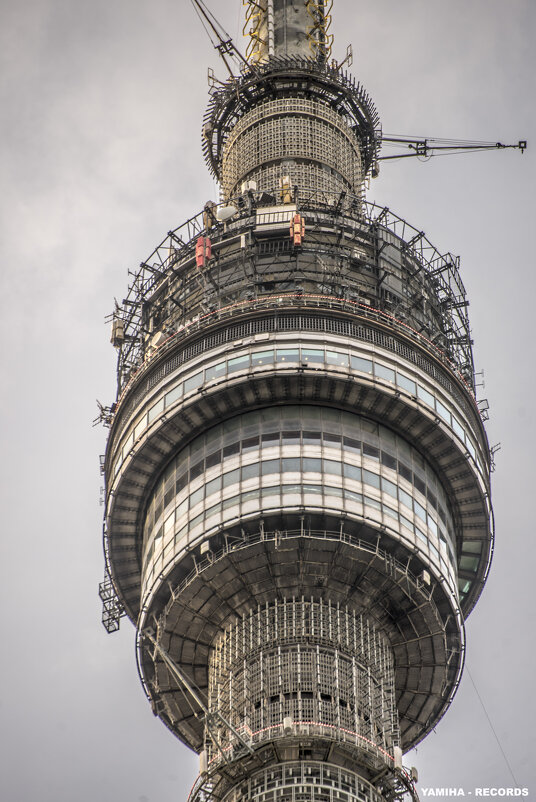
[(320, 40), (259, 28)]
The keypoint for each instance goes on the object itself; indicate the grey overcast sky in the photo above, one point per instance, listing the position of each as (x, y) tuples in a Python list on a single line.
[(101, 106)]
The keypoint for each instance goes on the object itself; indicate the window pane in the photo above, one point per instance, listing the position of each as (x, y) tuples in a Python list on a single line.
[(388, 460), (420, 511), (250, 495), (292, 489), (238, 363), (213, 459), (156, 409), (337, 358), (371, 451), (458, 428), (262, 358), (472, 546), (432, 499), (425, 396), (215, 371), (197, 496), (288, 355), (405, 471), (406, 384), (182, 481), (233, 448), (419, 484), (333, 491), (250, 471), (270, 439), (193, 382), (169, 495), (311, 438), (270, 466), (231, 425), (270, 491), (316, 489), (140, 427), (312, 464), (230, 502), (212, 510), (362, 365), (312, 355), (231, 477), (290, 438), (421, 535), (389, 487), (291, 464), (352, 445), (443, 412), (407, 523), (330, 466), (371, 479), (352, 472), (469, 563), (384, 373), (173, 395), (214, 485), (330, 438), (405, 498), (371, 502), (197, 469), (250, 444)]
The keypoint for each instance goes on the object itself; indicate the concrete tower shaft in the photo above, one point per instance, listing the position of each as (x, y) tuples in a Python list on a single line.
[(298, 511), (298, 28)]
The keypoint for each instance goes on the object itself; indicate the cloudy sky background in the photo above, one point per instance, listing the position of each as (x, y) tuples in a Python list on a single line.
[(101, 105)]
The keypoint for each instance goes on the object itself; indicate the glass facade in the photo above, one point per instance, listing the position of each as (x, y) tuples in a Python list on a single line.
[(254, 359), (303, 457)]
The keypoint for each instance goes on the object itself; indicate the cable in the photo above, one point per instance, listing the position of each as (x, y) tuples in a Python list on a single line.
[(196, 8), (492, 727)]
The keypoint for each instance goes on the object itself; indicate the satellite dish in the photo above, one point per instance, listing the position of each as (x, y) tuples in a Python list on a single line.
[(224, 213)]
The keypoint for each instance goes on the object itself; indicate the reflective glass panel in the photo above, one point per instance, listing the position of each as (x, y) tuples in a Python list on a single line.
[(288, 355), (262, 358), (406, 384), (384, 373), (214, 371), (312, 355), (362, 365), (193, 382), (238, 363)]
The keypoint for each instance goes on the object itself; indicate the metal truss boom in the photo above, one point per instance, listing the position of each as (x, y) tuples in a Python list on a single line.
[(425, 147)]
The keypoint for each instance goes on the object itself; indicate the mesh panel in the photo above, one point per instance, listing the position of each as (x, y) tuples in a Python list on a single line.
[(304, 139), (314, 663)]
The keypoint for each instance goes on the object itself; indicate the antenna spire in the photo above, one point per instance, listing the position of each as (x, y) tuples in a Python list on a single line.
[(288, 28)]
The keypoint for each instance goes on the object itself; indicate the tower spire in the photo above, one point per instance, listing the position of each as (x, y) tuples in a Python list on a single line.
[(298, 28)]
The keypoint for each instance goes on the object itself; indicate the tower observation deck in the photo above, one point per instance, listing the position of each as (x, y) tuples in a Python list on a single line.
[(298, 512)]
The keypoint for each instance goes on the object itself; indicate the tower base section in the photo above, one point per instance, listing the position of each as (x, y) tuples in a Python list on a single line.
[(305, 780)]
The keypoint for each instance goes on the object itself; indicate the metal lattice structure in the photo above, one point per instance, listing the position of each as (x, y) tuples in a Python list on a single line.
[(318, 665), (377, 242), (305, 89), (298, 514)]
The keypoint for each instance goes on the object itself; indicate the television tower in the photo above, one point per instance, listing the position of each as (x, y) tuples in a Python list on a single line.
[(297, 502)]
